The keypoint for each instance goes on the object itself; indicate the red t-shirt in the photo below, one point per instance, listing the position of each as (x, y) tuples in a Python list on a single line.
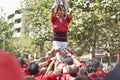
[(66, 76), (93, 75), (82, 65), (46, 77), (60, 26), (25, 71), (9, 67), (101, 73)]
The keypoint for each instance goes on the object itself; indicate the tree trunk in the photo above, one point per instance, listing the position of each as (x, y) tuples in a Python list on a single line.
[(93, 54), (94, 40), (41, 48), (109, 60)]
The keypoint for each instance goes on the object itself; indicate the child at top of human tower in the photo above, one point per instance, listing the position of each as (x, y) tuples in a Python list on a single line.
[(60, 21)]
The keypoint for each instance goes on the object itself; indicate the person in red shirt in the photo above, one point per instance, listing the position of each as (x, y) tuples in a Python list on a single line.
[(35, 72), (60, 24), (9, 67), (100, 73)]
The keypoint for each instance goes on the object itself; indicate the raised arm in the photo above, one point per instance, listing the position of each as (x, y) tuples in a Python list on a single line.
[(53, 12), (53, 15), (70, 13), (50, 66)]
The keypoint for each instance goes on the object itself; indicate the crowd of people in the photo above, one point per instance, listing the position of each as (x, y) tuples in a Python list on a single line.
[(49, 68)]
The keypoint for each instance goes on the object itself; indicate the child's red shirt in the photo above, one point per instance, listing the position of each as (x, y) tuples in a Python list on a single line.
[(60, 26)]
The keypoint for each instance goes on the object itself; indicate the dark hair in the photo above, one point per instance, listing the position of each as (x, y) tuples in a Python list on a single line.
[(82, 71), (60, 7), (95, 62), (91, 69), (73, 71), (21, 61), (68, 60), (92, 65), (33, 68)]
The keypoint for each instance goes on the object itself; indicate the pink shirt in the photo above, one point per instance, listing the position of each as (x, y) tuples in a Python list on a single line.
[(60, 26)]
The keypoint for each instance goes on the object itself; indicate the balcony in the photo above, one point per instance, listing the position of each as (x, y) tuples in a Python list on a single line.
[(17, 16), (17, 34), (17, 25)]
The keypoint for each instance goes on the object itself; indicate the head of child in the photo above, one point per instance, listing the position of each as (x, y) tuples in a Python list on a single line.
[(61, 11)]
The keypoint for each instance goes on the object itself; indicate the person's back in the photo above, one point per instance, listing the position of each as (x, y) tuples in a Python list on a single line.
[(9, 67)]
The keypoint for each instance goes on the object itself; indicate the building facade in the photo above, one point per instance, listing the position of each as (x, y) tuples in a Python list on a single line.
[(15, 19)]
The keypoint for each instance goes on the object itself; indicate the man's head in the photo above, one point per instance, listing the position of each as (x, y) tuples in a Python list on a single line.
[(73, 70), (22, 62), (33, 68), (68, 60)]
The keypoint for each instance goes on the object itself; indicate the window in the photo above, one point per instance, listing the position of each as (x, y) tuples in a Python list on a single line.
[(18, 20), (18, 29)]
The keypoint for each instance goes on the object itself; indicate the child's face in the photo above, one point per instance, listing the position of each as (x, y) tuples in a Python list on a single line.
[(61, 12)]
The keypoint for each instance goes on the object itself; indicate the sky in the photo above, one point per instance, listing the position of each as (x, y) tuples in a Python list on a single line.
[(9, 6)]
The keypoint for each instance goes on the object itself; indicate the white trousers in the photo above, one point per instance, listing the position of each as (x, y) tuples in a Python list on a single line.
[(58, 44)]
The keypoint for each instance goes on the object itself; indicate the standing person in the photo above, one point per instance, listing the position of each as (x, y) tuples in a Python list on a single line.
[(60, 24)]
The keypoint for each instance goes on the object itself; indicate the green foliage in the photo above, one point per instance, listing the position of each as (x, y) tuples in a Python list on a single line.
[(22, 46), (5, 33), (37, 17), (95, 26)]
